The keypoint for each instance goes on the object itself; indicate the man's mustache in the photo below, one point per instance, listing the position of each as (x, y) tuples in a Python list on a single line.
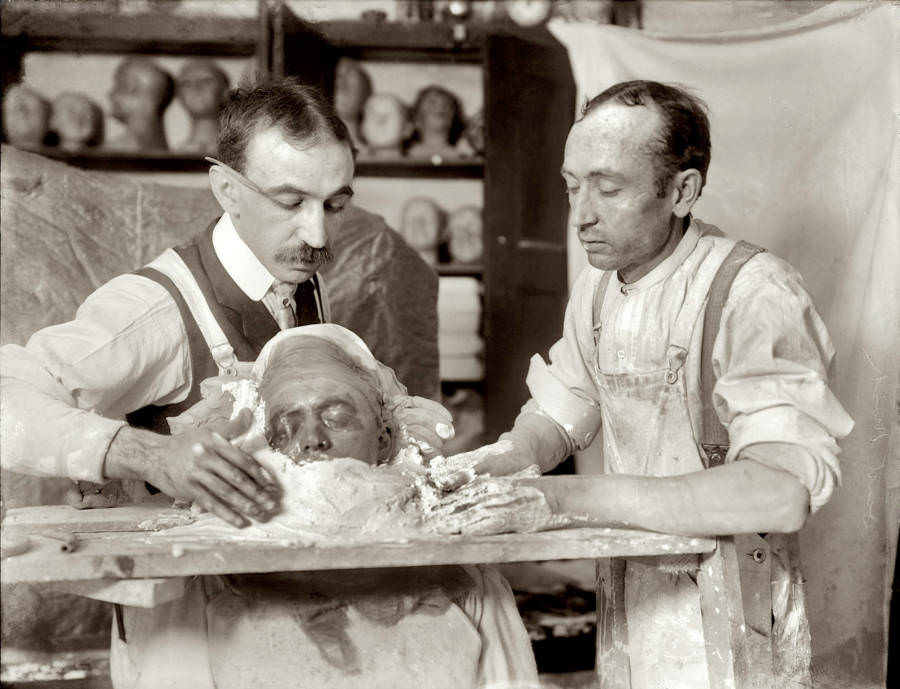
[(304, 253)]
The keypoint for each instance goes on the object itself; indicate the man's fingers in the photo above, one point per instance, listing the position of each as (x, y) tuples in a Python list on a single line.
[(245, 463), (434, 409), (238, 425), (211, 503), (232, 497), (240, 474)]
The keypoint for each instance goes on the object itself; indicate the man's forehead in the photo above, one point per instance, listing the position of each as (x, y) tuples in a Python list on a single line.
[(631, 124), (274, 156), (613, 132)]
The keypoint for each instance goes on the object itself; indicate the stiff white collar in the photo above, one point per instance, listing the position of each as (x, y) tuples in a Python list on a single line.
[(239, 261)]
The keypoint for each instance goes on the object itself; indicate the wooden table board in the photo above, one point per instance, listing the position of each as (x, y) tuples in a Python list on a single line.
[(109, 545)]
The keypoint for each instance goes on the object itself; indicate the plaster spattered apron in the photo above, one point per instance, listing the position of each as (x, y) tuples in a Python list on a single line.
[(647, 431)]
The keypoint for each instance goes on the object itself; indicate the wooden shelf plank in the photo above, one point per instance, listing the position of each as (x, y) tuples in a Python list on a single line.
[(470, 168), (109, 160), (472, 269), (87, 32), (408, 42)]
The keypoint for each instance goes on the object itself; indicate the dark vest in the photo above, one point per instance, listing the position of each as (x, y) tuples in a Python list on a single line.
[(247, 324)]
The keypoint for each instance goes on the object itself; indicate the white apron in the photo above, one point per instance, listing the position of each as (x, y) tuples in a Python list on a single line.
[(646, 431)]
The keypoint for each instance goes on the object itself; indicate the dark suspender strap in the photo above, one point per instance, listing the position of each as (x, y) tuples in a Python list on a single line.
[(715, 437), (200, 355), (202, 364), (190, 254)]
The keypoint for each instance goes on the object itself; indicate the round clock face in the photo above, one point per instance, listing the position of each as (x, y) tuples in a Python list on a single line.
[(528, 12)]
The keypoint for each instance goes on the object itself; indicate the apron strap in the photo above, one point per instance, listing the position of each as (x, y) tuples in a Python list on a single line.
[(714, 436), (599, 294)]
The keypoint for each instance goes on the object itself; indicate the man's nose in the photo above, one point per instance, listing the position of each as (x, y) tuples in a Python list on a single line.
[(311, 225), (582, 213)]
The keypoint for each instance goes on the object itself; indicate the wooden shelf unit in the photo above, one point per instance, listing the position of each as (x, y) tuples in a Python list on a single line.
[(529, 105)]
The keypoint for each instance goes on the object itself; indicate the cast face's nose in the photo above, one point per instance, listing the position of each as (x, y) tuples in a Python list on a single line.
[(312, 439)]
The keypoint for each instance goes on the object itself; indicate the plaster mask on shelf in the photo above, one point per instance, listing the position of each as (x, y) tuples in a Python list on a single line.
[(26, 116), (420, 226), (77, 120), (140, 94), (465, 234), (385, 124), (202, 86), (352, 87)]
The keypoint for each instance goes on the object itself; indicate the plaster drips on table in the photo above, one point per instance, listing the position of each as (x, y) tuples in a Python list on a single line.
[(346, 500)]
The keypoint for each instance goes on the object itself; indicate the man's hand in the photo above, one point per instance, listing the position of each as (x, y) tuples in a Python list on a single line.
[(199, 465), (497, 459), (422, 422)]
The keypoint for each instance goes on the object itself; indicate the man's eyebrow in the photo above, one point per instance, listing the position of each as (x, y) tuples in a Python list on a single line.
[(345, 190), (594, 174)]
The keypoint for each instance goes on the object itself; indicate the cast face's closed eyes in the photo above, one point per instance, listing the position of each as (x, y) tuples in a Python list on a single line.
[(319, 418)]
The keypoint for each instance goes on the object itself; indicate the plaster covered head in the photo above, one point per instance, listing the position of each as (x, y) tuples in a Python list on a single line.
[(26, 116), (141, 88), (202, 86), (634, 166), (77, 120), (325, 396), (287, 174)]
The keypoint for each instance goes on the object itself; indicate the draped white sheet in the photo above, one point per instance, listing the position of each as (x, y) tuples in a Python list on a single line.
[(805, 162)]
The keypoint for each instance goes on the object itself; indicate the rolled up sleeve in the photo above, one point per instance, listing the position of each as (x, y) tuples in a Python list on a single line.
[(772, 357), (64, 396)]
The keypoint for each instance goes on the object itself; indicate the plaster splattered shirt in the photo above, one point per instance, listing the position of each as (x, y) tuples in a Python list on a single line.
[(771, 357)]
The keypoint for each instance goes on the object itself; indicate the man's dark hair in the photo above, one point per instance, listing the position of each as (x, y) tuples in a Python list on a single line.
[(683, 141), (303, 113)]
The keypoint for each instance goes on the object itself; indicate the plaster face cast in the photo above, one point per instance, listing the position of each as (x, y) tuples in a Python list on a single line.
[(26, 116), (141, 92), (352, 87), (319, 406), (201, 89), (420, 226), (77, 120), (437, 117), (464, 231), (384, 124)]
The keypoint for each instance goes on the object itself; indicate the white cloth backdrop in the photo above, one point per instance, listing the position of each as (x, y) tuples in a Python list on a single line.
[(805, 162)]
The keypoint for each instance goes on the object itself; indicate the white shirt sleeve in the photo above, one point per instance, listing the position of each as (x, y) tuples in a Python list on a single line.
[(772, 356), (65, 394)]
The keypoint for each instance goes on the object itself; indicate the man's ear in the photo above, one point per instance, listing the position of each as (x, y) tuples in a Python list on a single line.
[(687, 186), (225, 190), (385, 444)]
